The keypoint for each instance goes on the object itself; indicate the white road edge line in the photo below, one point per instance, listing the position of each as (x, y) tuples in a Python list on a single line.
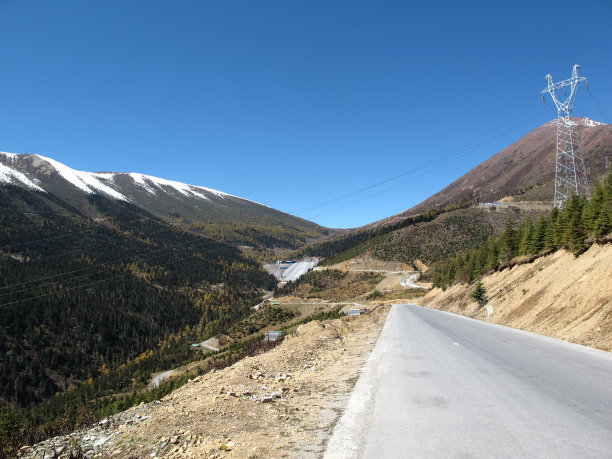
[(347, 437)]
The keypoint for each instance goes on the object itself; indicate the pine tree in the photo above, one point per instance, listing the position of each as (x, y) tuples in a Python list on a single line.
[(593, 208), (603, 223), (550, 233), (480, 294), (538, 237), (492, 255), (508, 244), (575, 233), (526, 232)]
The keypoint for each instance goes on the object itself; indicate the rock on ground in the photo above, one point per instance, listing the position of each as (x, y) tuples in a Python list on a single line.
[(282, 403)]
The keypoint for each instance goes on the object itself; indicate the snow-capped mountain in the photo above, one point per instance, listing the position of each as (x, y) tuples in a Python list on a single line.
[(108, 183), (166, 199)]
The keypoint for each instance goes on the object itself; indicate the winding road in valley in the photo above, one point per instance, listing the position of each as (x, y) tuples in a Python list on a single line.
[(442, 385)]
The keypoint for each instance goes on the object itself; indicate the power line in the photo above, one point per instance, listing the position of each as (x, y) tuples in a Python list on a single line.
[(441, 164), (82, 275), (189, 238), (193, 238), (599, 106), (163, 228), (70, 279), (451, 156), (39, 240), (89, 284), (372, 157)]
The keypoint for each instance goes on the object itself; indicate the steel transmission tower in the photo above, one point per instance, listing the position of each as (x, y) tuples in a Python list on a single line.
[(570, 174)]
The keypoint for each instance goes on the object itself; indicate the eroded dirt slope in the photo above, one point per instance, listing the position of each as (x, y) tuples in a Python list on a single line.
[(558, 295), (367, 262), (282, 403)]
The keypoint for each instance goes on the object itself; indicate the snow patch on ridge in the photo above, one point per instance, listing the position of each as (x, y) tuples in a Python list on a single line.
[(105, 182), (140, 180), (11, 156), (182, 188), (8, 175), (149, 183), (590, 123), (83, 180), (587, 122)]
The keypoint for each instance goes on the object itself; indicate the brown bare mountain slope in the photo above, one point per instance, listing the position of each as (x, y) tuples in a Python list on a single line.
[(526, 169)]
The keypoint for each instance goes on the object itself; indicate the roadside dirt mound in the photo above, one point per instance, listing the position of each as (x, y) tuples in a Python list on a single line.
[(391, 282), (369, 263), (310, 329), (283, 403), (558, 295)]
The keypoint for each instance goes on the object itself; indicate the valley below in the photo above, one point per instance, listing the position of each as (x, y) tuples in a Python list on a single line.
[(143, 317), (282, 403), (287, 401)]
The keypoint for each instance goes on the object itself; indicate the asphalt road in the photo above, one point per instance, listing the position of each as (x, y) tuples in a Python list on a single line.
[(440, 385), (159, 378)]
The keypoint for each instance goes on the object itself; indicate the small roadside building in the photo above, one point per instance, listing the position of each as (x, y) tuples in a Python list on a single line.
[(273, 335)]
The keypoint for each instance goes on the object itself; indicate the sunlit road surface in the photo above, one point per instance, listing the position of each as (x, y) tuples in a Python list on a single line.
[(440, 385)]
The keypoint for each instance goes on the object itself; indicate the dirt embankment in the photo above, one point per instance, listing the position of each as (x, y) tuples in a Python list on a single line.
[(283, 403), (369, 263), (558, 295)]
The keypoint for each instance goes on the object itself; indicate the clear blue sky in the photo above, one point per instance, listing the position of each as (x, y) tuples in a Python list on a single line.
[(341, 112)]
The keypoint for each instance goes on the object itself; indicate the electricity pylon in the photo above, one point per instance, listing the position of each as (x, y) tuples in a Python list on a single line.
[(570, 174)]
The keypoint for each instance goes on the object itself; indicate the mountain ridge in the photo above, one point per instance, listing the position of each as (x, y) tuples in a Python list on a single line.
[(167, 199), (80, 179), (525, 169)]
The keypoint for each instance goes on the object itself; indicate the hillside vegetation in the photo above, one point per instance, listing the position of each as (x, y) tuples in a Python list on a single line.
[(577, 225), (92, 306), (331, 285), (557, 295), (347, 246), (259, 235), (433, 236)]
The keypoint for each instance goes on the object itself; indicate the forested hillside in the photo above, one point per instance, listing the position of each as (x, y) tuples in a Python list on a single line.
[(431, 236), (576, 226), (80, 297), (341, 248)]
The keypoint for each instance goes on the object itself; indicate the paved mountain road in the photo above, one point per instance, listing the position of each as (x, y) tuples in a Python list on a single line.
[(441, 385)]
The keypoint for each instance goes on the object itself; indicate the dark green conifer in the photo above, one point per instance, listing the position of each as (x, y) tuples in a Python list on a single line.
[(508, 245), (593, 208), (480, 294), (538, 237), (526, 233)]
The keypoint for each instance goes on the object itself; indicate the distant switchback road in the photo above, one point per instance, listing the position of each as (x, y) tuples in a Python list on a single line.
[(441, 385)]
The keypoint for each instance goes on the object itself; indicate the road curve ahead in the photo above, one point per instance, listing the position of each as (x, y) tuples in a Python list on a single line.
[(444, 386)]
